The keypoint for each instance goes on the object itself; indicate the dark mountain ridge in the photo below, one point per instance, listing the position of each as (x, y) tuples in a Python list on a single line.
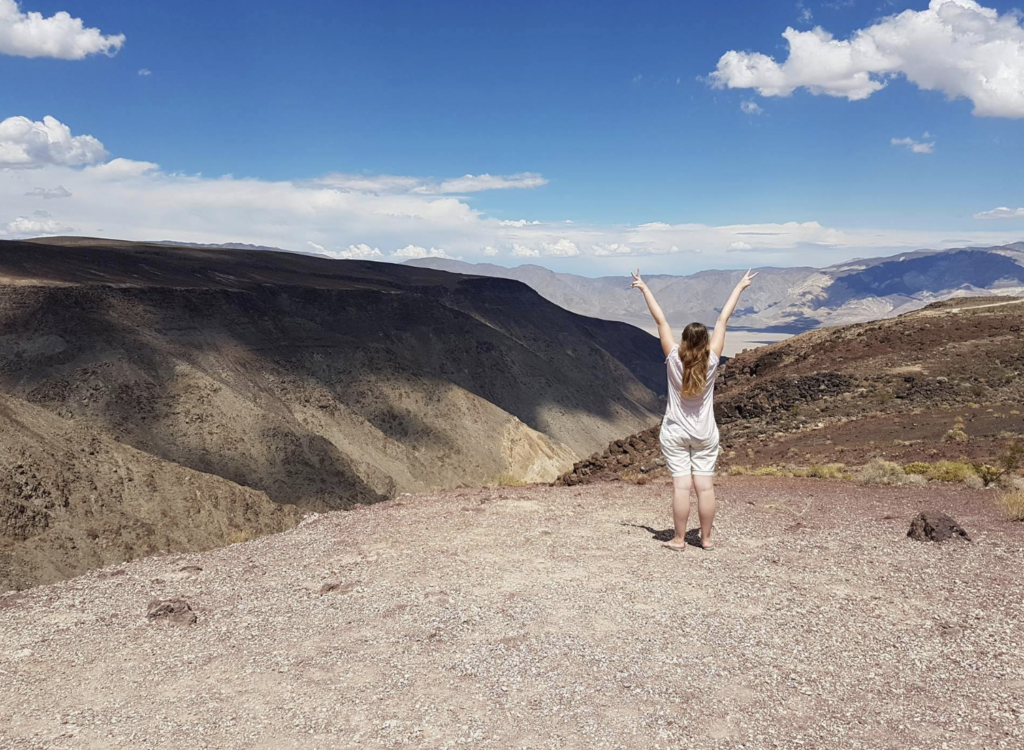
[(298, 381)]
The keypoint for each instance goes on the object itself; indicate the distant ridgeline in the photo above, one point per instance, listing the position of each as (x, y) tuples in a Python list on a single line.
[(784, 299)]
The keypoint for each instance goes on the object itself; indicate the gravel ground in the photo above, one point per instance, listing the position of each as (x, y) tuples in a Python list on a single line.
[(542, 617)]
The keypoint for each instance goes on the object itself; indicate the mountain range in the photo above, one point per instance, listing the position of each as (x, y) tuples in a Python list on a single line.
[(784, 299), (158, 397)]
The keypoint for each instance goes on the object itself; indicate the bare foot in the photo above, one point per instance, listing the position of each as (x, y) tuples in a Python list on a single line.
[(707, 544), (676, 544)]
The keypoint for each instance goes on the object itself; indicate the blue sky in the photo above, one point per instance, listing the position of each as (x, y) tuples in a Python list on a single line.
[(610, 106)]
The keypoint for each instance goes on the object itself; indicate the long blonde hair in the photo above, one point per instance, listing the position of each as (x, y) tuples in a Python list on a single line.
[(694, 352)]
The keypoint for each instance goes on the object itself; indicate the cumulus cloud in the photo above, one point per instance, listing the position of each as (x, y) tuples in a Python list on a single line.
[(136, 200), (563, 248), (521, 251), (61, 36), (52, 194), (25, 144), (356, 252), (145, 72), (414, 251), (740, 245), (918, 147), (316, 247), (33, 226), (1002, 212), (750, 107), (122, 169), (516, 223), (958, 47)]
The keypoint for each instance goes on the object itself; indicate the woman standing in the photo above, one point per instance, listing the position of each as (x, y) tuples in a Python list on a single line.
[(689, 434)]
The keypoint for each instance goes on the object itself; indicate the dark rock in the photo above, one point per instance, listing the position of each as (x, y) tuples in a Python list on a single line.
[(171, 612), (337, 588), (936, 527)]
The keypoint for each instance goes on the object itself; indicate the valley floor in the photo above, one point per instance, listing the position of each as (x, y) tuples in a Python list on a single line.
[(541, 617)]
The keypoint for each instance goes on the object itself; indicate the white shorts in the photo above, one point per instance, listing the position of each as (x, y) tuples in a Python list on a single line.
[(685, 455)]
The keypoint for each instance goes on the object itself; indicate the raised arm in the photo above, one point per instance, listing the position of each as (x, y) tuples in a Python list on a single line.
[(718, 337), (664, 331)]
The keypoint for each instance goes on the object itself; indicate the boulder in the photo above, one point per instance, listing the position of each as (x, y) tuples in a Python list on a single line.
[(171, 612), (935, 527)]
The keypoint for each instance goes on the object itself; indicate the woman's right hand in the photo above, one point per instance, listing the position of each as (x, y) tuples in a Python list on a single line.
[(747, 280), (638, 283)]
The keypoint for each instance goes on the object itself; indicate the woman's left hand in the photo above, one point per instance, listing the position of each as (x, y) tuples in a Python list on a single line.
[(638, 283)]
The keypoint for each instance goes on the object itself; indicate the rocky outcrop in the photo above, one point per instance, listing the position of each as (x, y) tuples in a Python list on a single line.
[(933, 526)]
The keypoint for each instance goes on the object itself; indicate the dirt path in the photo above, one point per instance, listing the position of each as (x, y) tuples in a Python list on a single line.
[(545, 618)]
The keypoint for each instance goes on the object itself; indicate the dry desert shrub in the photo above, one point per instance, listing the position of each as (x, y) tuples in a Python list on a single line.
[(1012, 505), (917, 467), (507, 479), (770, 471), (951, 471), (827, 471), (738, 471), (884, 472)]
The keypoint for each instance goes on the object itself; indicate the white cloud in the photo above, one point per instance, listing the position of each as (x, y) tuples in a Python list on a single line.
[(145, 72), (1001, 213), (122, 169), (751, 107), (563, 248), (740, 245), (517, 223), (958, 47), (136, 200), (25, 144), (315, 246), (918, 147), (40, 224), (61, 36), (521, 251), (53, 193), (420, 186), (414, 251), (355, 252), (476, 183)]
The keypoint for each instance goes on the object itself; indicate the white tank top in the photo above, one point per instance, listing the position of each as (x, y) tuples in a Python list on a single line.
[(695, 414)]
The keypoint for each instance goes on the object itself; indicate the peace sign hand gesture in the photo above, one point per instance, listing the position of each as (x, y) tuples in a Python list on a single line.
[(638, 283), (748, 279)]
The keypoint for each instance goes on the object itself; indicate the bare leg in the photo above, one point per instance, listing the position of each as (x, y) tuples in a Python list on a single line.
[(705, 507), (680, 509)]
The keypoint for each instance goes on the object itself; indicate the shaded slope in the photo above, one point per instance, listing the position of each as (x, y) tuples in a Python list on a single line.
[(320, 383)]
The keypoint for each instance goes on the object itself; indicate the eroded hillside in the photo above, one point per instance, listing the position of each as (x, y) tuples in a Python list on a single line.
[(319, 384), (893, 389)]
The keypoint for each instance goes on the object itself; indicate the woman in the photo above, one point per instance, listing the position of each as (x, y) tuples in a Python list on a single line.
[(689, 435)]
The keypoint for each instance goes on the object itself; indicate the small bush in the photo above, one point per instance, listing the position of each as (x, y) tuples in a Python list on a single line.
[(826, 471), (1012, 505), (238, 536), (738, 471), (975, 483), (770, 471), (956, 435), (951, 471), (507, 479), (801, 473), (917, 467), (987, 474), (880, 471)]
